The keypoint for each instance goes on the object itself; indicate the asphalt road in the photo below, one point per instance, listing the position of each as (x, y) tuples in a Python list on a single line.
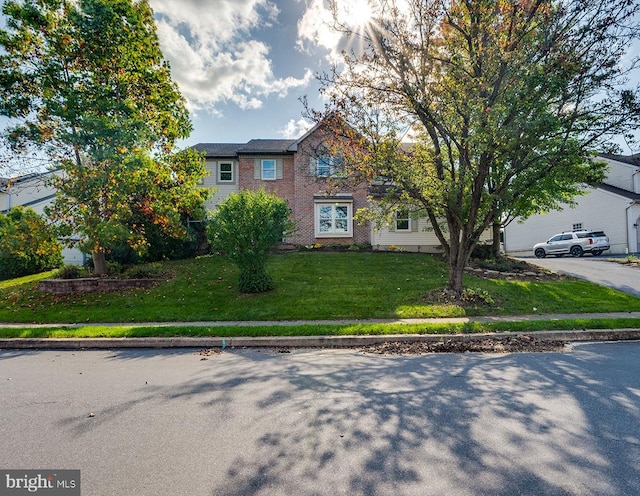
[(329, 422), (594, 269)]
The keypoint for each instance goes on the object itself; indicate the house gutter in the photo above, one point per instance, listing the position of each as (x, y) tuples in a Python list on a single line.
[(635, 202)]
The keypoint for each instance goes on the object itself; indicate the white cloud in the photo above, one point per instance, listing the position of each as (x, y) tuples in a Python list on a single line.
[(315, 28), (295, 128), (214, 56), (319, 27)]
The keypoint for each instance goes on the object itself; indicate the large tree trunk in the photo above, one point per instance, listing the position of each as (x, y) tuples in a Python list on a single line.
[(456, 273), (458, 257), (99, 263), (495, 247)]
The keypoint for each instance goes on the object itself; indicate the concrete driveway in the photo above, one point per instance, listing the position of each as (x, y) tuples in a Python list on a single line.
[(599, 270)]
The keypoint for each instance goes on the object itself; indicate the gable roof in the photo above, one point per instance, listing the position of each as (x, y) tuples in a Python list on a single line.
[(627, 159), (621, 192), (7, 182)]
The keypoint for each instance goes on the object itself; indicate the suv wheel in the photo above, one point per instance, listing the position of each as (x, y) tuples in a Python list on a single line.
[(576, 251), (540, 253), (596, 252)]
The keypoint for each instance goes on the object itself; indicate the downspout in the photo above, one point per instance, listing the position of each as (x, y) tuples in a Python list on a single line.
[(634, 225)]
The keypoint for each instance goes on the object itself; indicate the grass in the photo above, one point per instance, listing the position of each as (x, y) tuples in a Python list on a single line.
[(309, 286), (90, 331)]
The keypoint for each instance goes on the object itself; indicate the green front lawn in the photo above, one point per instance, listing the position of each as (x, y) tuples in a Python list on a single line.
[(142, 331), (309, 285)]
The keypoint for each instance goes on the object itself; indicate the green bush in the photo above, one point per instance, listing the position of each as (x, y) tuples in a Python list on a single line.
[(161, 246), (503, 264), (144, 271), (71, 272), (27, 244), (482, 251), (476, 295), (245, 227)]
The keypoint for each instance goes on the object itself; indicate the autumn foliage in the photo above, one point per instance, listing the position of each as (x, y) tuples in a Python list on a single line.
[(27, 244)]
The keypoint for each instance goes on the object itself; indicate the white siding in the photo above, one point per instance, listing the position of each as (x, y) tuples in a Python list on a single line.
[(33, 193), (423, 240), (219, 190), (597, 210), (633, 226), (620, 174), (73, 256)]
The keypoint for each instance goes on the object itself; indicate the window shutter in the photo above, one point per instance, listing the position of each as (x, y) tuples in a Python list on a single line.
[(279, 167), (314, 166), (257, 164), (392, 224), (414, 225)]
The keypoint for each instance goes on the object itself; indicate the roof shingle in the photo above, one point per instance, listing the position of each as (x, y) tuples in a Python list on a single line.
[(218, 149)]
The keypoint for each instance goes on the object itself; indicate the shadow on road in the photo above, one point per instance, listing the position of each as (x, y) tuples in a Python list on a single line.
[(336, 422)]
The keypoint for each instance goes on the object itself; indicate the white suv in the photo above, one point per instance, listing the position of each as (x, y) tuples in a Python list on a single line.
[(574, 243)]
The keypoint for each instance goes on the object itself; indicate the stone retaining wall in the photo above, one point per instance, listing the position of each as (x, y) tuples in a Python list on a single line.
[(85, 285)]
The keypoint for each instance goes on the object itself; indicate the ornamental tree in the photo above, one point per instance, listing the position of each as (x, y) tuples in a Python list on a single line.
[(245, 227), (507, 101), (87, 84)]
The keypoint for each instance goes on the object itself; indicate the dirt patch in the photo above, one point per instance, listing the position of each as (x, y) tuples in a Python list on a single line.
[(208, 352), (507, 344)]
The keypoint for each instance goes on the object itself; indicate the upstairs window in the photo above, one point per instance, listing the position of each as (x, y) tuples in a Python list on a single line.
[(268, 170), (225, 172), (329, 166)]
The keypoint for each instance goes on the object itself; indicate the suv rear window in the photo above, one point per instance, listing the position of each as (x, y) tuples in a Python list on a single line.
[(584, 234), (598, 234)]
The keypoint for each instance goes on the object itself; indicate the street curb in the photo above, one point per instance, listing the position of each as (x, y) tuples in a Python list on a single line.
[(304, 341)]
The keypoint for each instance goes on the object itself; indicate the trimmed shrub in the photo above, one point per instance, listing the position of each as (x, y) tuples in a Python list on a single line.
[(245, 227)]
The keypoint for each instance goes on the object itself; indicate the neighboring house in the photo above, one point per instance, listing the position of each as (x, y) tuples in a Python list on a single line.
[(301, 172), (29, 190), (612, 207), (32, 191)]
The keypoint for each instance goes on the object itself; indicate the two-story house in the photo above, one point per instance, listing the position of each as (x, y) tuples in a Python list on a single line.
[(612, 207), (323, 206), (300, 171)]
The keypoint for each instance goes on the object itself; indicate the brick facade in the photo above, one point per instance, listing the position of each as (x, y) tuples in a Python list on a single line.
[(297, 183), (311, 190)]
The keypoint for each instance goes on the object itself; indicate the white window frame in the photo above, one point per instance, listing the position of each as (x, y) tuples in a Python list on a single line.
[(333, 232), (263, 176), (231, 171), (402, 216)]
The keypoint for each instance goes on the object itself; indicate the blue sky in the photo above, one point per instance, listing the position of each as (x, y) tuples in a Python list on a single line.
[(243, 65)]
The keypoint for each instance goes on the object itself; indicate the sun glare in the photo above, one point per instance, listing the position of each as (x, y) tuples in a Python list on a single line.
[(356, 14)]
